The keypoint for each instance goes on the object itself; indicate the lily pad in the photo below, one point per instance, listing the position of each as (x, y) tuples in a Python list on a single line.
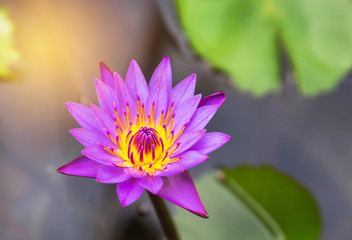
[(252, 203), (284, 206), (242, 38), (229, 217)]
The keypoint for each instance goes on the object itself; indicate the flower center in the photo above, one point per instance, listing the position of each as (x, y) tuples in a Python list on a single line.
[(146, 142), (143, 142)]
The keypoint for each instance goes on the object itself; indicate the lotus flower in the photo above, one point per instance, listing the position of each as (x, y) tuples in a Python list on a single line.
[(146, 137)]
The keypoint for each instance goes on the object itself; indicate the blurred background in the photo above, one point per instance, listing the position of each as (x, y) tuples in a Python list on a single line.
[(60, 44)]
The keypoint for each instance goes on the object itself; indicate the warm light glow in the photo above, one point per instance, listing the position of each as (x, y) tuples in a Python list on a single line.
[(8, 52)]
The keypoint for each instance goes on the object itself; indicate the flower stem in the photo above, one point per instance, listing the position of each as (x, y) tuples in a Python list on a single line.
[(164, 217)]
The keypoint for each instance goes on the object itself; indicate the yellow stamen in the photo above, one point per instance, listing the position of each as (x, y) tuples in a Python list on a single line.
[(137, 120), (143, 115), (111, 151), (126, 120), (174, 148), (179, 133), (112, 139), (150, 121), (168, 115), (171, 125), (172, 160), (119, 121), (161, 119), (152, 115), (129, 113)]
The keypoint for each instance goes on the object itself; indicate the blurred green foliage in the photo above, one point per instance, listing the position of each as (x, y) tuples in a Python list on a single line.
[(228, 217), (257, 203), (281, 203), (245, 39), (8, 53)]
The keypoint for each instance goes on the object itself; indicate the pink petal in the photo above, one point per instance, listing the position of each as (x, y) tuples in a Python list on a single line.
[(105, 121), (210, 142), (185, 111), (181, 191), (123, 97), (191, 159), (89, 138), (162, 71), (214, 99), (112, 174), (206, 110), (106, 97), (187, 140), (134, 172), (171, 170), (129, 191), (136, 83), (98, 154), (201, 117), (152, 183), (158, 94), (106, 75), (81, 166), (183, 90), (84, 116)]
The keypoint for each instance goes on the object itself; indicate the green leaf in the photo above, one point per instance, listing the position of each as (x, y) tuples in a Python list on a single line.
[(241, 38), (8, 53), (229, 217), (276, 198)]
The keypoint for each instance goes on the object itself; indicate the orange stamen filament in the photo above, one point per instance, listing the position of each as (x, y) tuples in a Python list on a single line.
[(161, 118), (119, 121), (152, 115), (129, 113), (169, 112)]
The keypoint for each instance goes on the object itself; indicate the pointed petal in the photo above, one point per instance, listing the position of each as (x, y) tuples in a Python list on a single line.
[(105, 121), (187, 140), (89, 138), (191, 159), (81, 166), (129, 191), (124, 97), (214, 99), (205, 111), (181, 191), (106, 75), (98, 154), (201, 117), (171, 170), (164, 72), (152, 184), (159, 95), (183, 90), (106, 97), (185, 111), (136, 83), (210, 142), (84, 116), (112, 174)]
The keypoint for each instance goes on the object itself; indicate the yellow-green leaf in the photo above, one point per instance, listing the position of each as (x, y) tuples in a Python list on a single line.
[(242, 39)]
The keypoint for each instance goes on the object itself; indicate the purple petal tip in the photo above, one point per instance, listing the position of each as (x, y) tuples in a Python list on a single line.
[(69, 104), (203, 215), (103, 66), (193, 76)]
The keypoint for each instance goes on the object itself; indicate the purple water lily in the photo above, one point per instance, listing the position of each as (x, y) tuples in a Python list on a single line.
[(146, 137)]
